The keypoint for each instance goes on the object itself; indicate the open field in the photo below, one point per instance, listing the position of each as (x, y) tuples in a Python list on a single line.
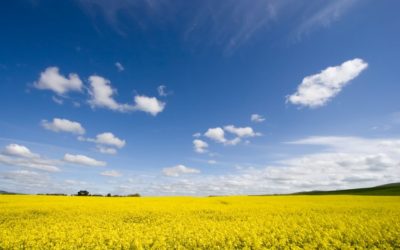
[(313, 222)]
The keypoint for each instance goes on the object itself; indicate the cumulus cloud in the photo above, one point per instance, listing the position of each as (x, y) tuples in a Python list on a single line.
[(51, 79), (83, 160), (20, 151), (316, 90), (21, 156), (200, 146), (119, 66), (111, 173), (148, 104), (102, 96), (109, 139), (101, 93), (218, 134), (106, 142), (63, 125), (241, 131), (179, 170), (257, 118)]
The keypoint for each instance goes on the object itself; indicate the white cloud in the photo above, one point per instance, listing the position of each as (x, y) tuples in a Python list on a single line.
[(212, 162), (106, 143), (21, 156), (64, 125), (257, 118), (179, 170), (233, 142), (119, 66), (200, 146), (101, 95), (316, 90), (83, 160), (109, 139), (241, 131), (20, 151), (341, 162), (111, 173), (51, 79), (217, 134), (148, 104), (35, 163)]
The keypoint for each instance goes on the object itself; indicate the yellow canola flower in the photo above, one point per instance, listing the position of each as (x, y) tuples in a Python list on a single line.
[(264, 222)]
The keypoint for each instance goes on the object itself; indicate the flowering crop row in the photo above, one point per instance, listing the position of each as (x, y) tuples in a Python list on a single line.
[(269, 222)]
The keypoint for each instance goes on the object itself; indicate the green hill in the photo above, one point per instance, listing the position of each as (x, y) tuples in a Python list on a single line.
[(5, 192), (392, 189)]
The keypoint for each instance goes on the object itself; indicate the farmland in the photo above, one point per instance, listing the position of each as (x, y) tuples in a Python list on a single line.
[(297, 222)]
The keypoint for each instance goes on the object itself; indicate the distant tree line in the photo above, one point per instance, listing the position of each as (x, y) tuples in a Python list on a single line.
[(86, 193)]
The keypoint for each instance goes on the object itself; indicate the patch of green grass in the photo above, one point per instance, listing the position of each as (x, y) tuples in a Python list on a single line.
[(392, 189)]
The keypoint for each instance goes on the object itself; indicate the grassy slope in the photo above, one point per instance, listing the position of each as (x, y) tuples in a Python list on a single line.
[(384, 190), (5, 192)]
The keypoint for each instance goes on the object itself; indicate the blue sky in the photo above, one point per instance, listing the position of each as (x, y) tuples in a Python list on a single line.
[(157, 97)]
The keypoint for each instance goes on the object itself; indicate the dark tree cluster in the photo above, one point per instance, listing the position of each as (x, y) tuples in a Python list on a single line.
[(86, 193), (83, 193)]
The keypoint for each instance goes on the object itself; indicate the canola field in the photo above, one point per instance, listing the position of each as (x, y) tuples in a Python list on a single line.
[(269, 222)]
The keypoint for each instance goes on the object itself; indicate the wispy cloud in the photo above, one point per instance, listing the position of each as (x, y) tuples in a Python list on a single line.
[(162, 91), (257, 118), (119, 66), (111, 173), (228, 24), (179, 170), (323, 15), (83, 160)]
